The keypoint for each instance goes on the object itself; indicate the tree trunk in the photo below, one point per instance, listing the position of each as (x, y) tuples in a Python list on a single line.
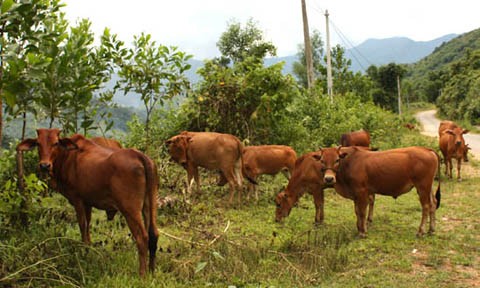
[(24, 124)]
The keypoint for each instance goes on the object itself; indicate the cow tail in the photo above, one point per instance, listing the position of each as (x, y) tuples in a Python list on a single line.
[(151, 199), (438, 195), (244, 170)]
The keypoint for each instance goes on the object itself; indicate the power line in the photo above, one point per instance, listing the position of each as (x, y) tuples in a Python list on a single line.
[(344, 39)]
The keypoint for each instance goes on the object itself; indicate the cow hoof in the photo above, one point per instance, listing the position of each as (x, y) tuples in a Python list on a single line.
[(459, 180), (362, 235)]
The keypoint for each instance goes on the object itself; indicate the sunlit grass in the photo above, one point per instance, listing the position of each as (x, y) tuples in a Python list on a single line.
[(207, 243)]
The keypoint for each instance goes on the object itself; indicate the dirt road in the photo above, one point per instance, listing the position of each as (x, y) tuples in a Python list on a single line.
[(430, 125)]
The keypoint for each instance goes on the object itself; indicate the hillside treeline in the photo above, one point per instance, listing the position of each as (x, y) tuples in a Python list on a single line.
[(450, 78)]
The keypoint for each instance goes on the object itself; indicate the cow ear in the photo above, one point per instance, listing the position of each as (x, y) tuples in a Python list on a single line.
[(449, 131), (168, 142), (343, 151), (465, 131), (67, 143), (317, 157), (27, 144), (189, 139)]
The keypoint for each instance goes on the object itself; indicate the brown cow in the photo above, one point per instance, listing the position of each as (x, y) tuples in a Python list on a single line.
[(355, 138), (107, 142), (357, 173), (90, 175), (307, 177), (111, 144), (452, 145), (445, 125), (267, 159), (210, 150)]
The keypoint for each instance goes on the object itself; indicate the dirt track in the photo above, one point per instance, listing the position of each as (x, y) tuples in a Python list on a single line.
[(430, 125)]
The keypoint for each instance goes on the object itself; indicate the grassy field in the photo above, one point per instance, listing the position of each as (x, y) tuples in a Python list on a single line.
[(206, 243)]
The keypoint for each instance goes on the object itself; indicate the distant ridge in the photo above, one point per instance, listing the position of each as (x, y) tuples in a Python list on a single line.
[(400, 50)]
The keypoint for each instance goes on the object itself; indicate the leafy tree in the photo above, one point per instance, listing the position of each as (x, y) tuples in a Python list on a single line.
[(22, 29), (460, 97), (385, 79), (237, 43), (154, 72), (299, 67)]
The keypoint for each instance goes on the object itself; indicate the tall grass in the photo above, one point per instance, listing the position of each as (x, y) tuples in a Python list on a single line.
[(204, 242)]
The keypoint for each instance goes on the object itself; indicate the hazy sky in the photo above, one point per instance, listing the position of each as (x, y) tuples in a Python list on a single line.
[(195, 25)]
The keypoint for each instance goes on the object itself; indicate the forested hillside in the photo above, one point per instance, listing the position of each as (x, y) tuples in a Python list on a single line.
[(449, 77)]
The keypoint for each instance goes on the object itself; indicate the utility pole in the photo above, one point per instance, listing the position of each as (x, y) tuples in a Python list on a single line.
[(308, 47), (329, 61), (399, 96)]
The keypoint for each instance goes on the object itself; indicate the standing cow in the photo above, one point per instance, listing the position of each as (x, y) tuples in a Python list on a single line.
[(210, 150), (355, 138), (307, 177), (357, 173), (90, 175), (267, 159), (452, 145)]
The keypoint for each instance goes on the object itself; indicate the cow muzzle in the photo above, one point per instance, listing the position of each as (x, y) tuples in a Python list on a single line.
[(329, 179), (45, 166)]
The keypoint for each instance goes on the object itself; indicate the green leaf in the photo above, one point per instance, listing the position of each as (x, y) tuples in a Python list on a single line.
[(200, 266), (6, 5)]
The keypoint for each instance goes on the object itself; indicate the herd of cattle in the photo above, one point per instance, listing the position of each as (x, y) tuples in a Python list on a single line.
[(99, 173)]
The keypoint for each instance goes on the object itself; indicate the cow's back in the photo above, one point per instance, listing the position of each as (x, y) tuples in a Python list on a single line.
[(269, 159), (355, 138), (213, 150), (307, 173), (100, 165), (390, 172)]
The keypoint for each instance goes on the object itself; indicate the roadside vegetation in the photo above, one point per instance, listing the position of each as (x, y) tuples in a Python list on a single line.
[(47, 78)]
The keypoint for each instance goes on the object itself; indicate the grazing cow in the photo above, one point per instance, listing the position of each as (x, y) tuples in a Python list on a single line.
[(355, 138), (267, 159), (357, 173), (210, 150), (307, 177), (452, 145), (90, 175)]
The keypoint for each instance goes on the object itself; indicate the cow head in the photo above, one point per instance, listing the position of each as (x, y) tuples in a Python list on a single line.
[(457, 133), (284, 203), (177, 148), (47, 142), (330, 160)]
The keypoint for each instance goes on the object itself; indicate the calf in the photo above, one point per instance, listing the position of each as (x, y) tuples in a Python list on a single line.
[(90, 175), (356, 174), (210, 150), (452, 145), (307, 177), (267, 159)]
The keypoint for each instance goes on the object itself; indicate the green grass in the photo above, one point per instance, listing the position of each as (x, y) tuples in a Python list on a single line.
[(206, 243)]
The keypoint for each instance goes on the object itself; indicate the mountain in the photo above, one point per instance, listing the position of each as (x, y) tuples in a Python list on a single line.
[(446, 53), (378, 52), (400, 50)]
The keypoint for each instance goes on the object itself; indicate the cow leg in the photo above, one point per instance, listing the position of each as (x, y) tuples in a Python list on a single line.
[(84, 215), (425, 197), (371, 203), (135, 223), (360, 210), (449, 168), (459, 166), (192, 173), (318, 200)]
